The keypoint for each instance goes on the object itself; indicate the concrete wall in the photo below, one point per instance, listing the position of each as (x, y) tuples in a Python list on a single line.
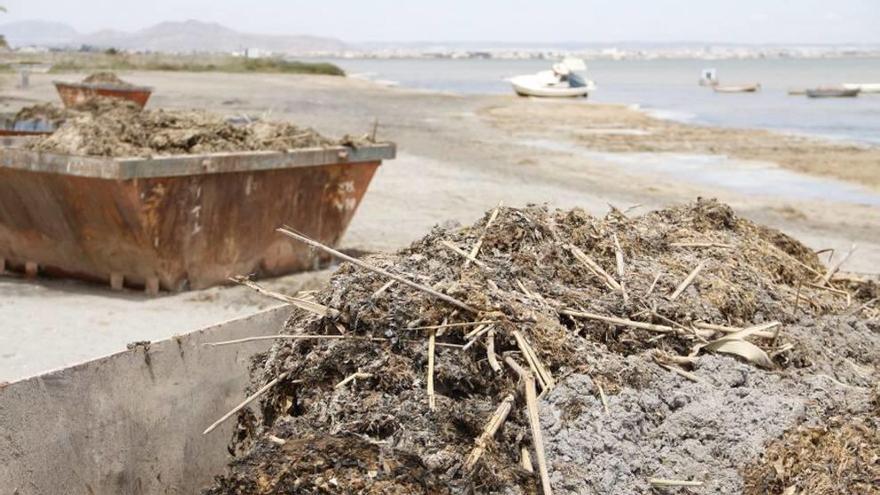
[(130, 423)]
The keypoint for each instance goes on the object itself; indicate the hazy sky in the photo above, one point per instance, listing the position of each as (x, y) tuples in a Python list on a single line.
[(754, 21)]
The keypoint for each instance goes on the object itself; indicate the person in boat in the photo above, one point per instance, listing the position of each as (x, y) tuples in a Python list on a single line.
[(567, 77)]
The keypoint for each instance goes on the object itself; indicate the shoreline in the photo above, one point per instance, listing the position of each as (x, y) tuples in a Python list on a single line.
[(454, 163)]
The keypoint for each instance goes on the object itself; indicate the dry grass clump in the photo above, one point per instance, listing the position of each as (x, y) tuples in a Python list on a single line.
[(530, 295), (840, 456)]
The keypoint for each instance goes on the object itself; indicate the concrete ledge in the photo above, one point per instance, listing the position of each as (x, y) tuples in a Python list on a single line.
[(130, 422)]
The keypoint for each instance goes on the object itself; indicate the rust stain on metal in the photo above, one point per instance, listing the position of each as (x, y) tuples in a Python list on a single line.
[(190, 231)]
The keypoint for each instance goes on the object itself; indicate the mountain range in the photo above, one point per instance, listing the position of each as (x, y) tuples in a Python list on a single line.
[(178, 37)]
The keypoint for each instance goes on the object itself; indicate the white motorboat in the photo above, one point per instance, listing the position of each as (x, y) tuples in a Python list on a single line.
[(863, 87), (564, 80)]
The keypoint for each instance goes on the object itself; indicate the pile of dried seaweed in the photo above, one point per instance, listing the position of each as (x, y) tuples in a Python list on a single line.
[(44, 112), (106, 79), (842, 455), (53, 116), (124, 130), (426, 383)]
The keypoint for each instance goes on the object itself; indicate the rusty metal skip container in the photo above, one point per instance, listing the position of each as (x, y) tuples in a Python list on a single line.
[(176, 222), (73, 94)]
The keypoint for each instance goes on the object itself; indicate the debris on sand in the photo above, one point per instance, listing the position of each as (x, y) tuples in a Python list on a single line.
[(841, 455), (568, 353), (107, 79), (122, 129)]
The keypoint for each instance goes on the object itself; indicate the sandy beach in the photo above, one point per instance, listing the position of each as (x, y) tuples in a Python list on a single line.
[(459, 156)]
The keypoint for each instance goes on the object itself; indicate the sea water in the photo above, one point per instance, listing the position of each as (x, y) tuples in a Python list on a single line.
[(669, 89)]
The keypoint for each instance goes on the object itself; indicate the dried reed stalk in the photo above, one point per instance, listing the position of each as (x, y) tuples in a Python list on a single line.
[(687, 281), (621, 321), (245, 402), (495, 421), (311, 306), (464, 254), (351, 377), (439, 295), (476, 249)]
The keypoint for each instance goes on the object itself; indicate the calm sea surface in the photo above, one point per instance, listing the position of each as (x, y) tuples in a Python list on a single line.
[(668, 89)]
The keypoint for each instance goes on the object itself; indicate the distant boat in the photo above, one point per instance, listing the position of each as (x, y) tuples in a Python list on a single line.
[(565, 80), (742, 88), (797, 92), (863, 87), (832, 93)]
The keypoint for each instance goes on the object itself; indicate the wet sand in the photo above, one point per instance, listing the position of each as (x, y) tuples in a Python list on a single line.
[(458, 156), (618, 128)]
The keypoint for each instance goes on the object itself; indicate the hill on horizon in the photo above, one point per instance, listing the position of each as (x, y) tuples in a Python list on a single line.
[(171, 36)]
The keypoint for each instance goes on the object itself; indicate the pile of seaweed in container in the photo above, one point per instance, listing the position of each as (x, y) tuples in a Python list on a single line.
[(424, 371), (106, 79), (115, 127)]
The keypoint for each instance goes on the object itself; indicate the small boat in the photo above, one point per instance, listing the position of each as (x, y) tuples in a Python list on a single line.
[(564, 80), (863, 87), (797, 92), (742, 88), (832, 93)]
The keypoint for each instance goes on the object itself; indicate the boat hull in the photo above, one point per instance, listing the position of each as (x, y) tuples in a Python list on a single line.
[(832, 93), (864, 87), (737, 89), (552, 93)]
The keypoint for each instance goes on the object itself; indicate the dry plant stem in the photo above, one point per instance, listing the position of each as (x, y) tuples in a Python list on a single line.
[(595, 269), (544, 376), (863, 307), (454, 325), (525, 460), (473, 333), (464, 254), (476, 338), (537, 436), (753, 330), (702, 244), (352, 377), (439, 295), (653, 284), (476, 249), (294, 337), (495, 421), (310, 306), (664, 482), (833, 268), (620, 321), (731, 330), (534, 421), (603, 397), (383, 289), (245, 402), (490, 352), (432, 403), (686, 374), (797, 298), (687, 281), (621, 267)]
